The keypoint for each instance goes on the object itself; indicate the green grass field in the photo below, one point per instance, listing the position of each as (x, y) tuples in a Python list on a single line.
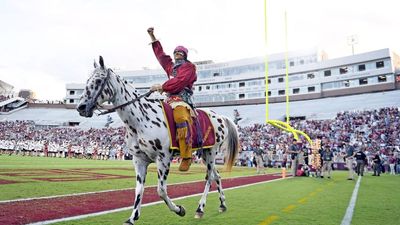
[(300, 200)]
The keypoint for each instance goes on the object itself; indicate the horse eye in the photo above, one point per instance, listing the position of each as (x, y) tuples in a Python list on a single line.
[(98, 81)]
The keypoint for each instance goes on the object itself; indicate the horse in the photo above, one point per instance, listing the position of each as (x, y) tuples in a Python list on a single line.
[(147, 136)]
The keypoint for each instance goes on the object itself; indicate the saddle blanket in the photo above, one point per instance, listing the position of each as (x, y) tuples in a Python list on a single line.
[(207, 129)]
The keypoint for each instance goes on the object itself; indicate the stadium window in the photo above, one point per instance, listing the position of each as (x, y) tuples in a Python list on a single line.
[(346, 83), (310, 76), (343, 70), (361, 67), (311, 89), (269, 93), (291, 63), (199, 88), (296, 90), (269, 81), (241, 96), (280, 79), (71, 92), (363, 81), (382, 78), (301, 62), (241, 84), (71, 101), (216, 74), (327, 73), (380, 64), (281, 92), (208, 87)]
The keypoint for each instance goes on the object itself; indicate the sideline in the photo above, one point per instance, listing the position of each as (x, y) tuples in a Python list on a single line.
[(350, 209)]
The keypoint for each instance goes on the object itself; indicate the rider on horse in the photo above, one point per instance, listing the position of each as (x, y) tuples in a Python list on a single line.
[(181, 76)]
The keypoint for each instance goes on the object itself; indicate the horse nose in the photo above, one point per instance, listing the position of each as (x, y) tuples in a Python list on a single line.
[(81, 107)]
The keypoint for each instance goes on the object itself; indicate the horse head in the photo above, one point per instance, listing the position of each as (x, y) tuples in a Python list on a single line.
[(97, 90)]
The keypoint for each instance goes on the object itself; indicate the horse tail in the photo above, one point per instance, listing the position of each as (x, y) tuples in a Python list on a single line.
[(232, 144)]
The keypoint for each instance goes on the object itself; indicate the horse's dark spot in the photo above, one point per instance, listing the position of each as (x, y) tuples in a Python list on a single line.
[(219, 129), (158, 143), (209, 166), (154, 148), (126, 98), (167, 172), (136, 146), (156, 123), (165, 176), (154, 111), (219, 120), (137, 201), (136, 215), (122, 90), (165, 125), (158, 119), (147, 118), (138, 179), (162, 155), (137, 119)]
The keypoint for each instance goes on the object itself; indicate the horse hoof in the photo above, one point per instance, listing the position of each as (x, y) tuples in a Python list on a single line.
[(182, 211), (198, 215), (222, 209), (128, 222)]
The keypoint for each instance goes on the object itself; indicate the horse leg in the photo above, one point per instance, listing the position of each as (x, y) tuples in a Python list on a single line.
[(217, 177), (163, 166), (209, 157), (141, 171)]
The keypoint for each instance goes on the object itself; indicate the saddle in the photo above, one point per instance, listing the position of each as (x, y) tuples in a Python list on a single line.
[(206, 127)]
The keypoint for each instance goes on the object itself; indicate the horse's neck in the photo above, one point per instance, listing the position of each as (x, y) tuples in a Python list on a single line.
[(138, 113)]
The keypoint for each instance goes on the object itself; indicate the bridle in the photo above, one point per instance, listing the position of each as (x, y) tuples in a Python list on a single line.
[(103, 111)]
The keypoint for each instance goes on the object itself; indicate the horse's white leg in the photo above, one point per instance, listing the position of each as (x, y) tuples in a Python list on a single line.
[(141, 171), (217, 177), (163, 165), (209, 157)]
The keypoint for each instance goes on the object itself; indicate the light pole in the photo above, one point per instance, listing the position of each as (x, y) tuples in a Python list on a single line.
[(352, 40)]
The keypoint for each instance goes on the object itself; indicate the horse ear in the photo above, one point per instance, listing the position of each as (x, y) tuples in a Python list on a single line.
[(95, 64), (101, 61)]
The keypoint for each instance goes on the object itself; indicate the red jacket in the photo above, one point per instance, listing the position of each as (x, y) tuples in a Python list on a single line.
[(185, 74)]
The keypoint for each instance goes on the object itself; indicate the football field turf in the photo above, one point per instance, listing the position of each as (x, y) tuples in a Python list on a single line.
[(300, 200)]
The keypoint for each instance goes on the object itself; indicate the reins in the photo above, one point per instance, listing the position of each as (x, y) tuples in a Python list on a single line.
[(107, 111)]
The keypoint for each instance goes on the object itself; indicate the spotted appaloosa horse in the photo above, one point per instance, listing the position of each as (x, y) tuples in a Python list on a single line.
[(147, 136)]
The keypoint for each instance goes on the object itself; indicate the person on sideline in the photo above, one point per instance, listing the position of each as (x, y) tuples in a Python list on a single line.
[(181, 76), (327, 157), (360, 159), (294, 151), (350, 160)]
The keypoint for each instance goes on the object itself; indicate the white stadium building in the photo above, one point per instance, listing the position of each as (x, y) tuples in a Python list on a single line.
[(318, 88)]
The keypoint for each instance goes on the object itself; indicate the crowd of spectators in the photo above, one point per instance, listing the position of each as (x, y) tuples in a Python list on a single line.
[(372, 131), (23, 137)]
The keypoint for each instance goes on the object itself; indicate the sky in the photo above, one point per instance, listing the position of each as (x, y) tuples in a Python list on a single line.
[(45, 44)]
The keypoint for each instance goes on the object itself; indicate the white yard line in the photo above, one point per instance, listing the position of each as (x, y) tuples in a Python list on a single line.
[(144, 205), (350, 208)]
